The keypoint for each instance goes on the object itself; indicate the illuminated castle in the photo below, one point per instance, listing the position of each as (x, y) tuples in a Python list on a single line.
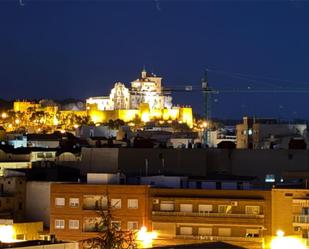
[(145, 100)]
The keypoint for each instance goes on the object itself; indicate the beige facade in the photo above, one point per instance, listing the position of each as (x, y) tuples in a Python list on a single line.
[(239, 217)]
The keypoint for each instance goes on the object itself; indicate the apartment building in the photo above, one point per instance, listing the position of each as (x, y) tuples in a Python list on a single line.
[(290, 212), (246, 218), (74, 211), (238, 216)]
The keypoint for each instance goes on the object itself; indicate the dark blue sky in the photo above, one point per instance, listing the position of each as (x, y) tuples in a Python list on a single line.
[(60, 49)]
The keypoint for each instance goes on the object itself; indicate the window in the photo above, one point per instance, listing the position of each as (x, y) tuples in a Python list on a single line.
[(74, 202), (20, 237), (133, 203), (227, 209), (204, 208), (225, 232), (59, 224), (252, 210), (116, 225), (132, 225), (270, 178), (186, 230), (116, 203), (205, 231), (49, 155), (73, 224), (59, 201), (186, 208), (167, 206), (252, 233)]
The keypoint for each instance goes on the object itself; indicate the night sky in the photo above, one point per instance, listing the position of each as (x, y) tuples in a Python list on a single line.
[(76, 49)]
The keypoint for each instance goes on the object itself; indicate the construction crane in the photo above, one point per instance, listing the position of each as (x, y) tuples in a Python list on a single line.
[(207, 92)]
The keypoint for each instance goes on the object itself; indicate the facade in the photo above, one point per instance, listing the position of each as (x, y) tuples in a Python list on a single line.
[(12, 197), (247, 218), (148, 89), (221, 135), (40, 244), (38, 201), (12, 231), (74, 208), (241, 217), (267, 134), (145, 100)]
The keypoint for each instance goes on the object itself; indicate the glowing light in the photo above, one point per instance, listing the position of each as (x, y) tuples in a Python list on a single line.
[(4, 115), (145, 117), (281, 242), (17, 121), (6, 233), (76, 126), (146, 238), (286, 243), (55, 121), (280, 233), (62, 131)]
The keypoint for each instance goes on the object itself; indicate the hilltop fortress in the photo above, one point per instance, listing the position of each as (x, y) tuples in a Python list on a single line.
[(145, 100)]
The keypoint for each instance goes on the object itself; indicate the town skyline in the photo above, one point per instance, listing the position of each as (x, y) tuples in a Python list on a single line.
[(76, 49)]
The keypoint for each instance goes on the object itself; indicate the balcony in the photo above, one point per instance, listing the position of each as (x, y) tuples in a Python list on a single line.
[(301, 220), (206, 214), (221, 238)]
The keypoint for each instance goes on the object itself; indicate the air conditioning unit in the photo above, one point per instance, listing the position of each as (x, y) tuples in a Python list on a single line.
[(234, 203), (155, 201)]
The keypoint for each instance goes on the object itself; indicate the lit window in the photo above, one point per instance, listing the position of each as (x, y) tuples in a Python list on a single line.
[(74, 202), (59, 201), (186, 208), (59, 224), (203, 208), (73, 224), (252, 210), (132, 203), (224, 232), (270, 178), (167, 206), (186, 230), (205, 231), (116, 203), (132, 225), (227, 209), (252, 233)]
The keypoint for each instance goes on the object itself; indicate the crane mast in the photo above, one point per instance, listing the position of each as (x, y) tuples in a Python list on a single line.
[(207, 107)]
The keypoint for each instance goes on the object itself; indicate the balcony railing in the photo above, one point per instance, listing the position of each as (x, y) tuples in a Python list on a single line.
[(220, 238), (301, 219), (206, 214)]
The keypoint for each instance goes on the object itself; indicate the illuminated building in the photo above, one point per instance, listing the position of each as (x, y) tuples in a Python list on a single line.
[(145, 100), (74, 208)]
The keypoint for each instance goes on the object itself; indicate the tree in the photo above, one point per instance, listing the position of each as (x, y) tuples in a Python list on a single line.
[(110, 236)]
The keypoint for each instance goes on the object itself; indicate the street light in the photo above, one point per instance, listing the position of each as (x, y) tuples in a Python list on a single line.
[(281, 242)]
